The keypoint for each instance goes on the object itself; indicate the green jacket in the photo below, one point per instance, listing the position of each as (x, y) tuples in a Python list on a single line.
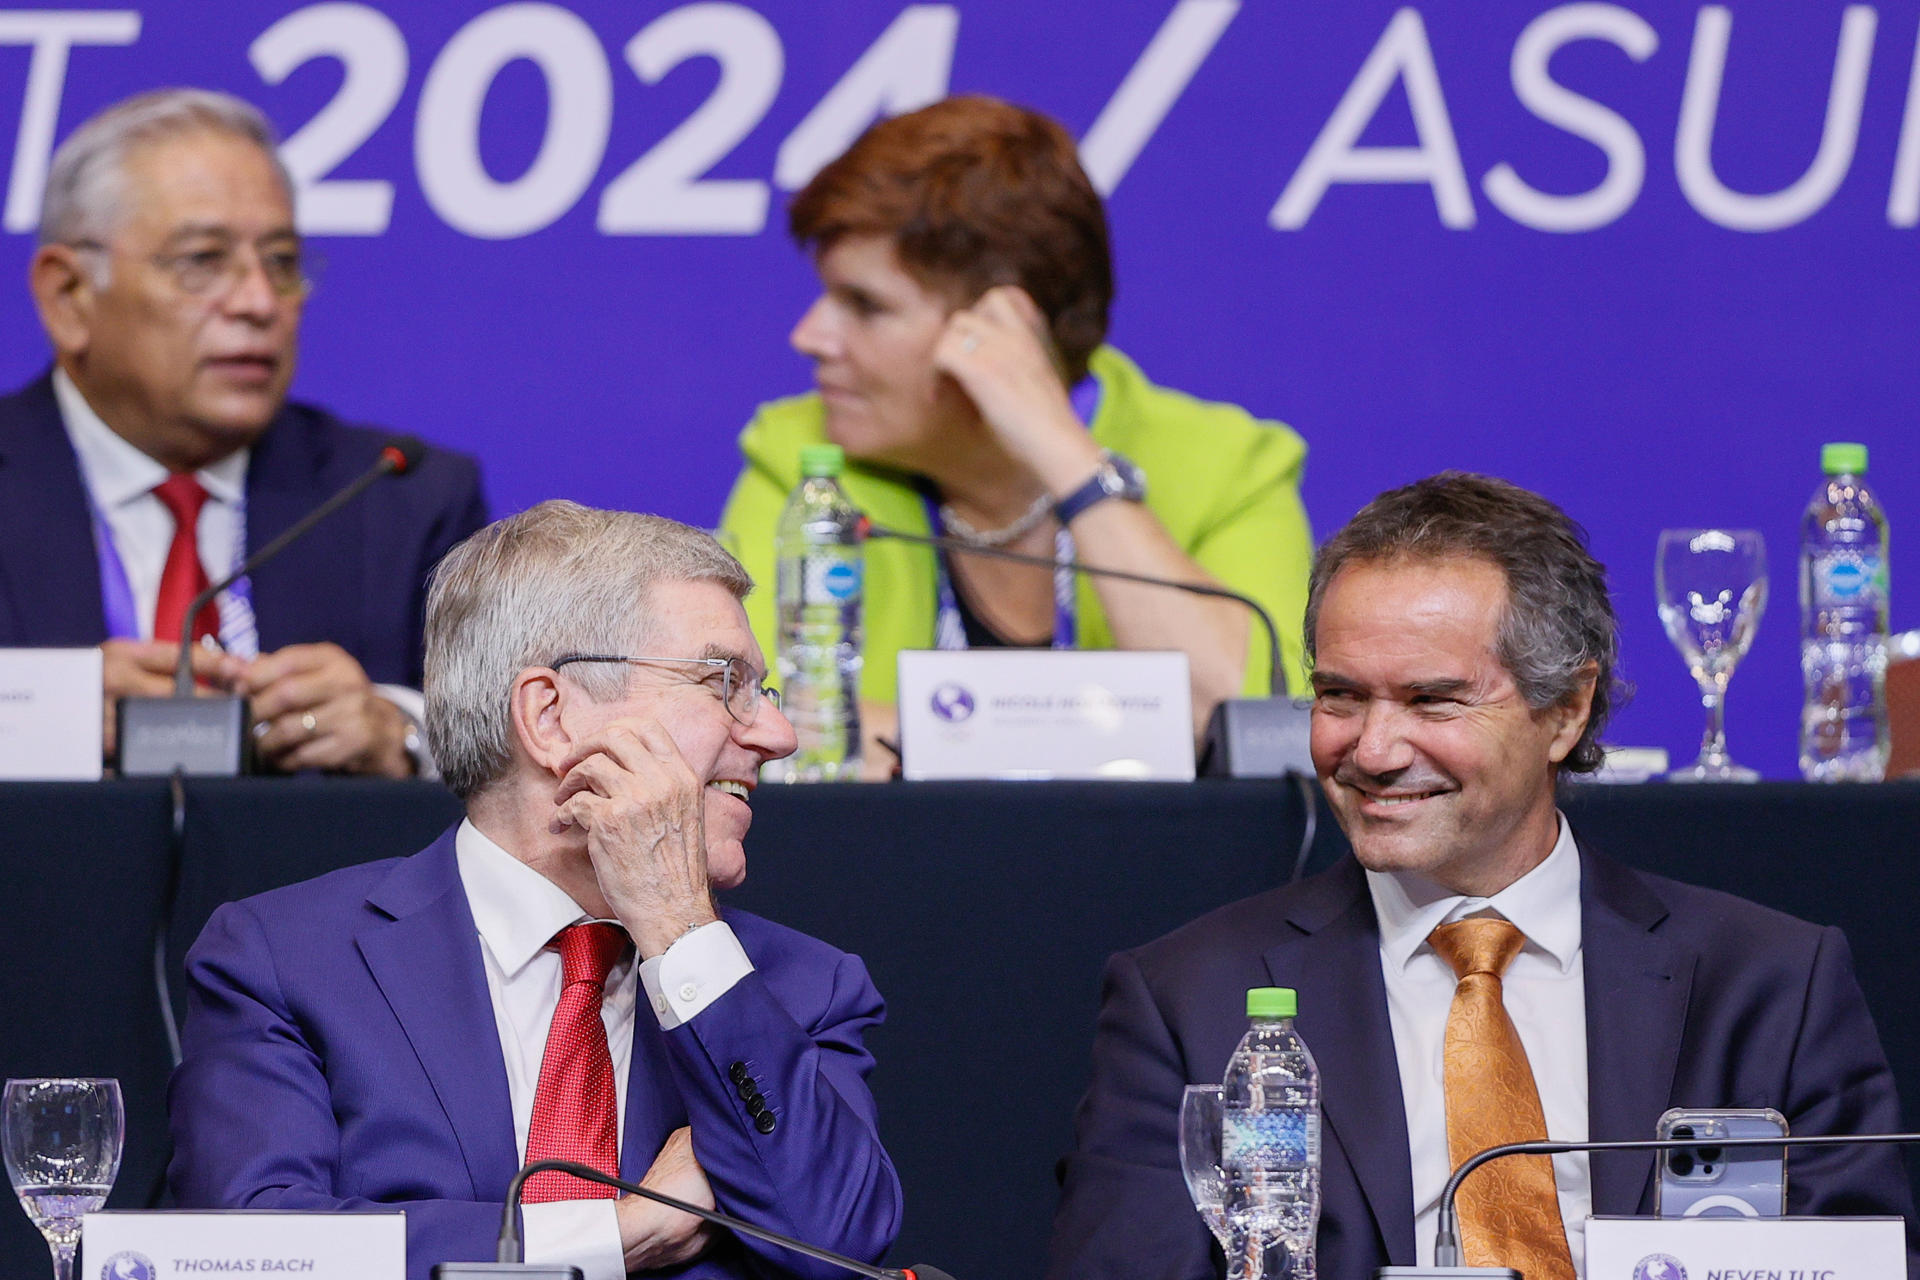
[(1225, 484)]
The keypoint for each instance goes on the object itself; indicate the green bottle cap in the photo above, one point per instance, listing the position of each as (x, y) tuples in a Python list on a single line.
[(1843, 459), (1272, 1002), (822, 460)]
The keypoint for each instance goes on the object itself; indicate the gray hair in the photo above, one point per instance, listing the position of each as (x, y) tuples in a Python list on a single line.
[(558, 578), (86, 192), (1559, 624)]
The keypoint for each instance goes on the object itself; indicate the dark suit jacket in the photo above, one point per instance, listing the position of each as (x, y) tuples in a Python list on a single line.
[(341, 1053), (357, 579), (1693, 998)]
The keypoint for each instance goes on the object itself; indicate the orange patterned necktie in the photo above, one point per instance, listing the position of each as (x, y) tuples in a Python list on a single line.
[(1509, 1212)]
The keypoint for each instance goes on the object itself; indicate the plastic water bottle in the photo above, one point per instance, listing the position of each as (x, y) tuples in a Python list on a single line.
[(1843, 637), (1270, 1143), (817, 587)]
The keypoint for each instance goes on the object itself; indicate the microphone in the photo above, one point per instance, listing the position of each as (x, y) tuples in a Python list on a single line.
[(1446, 1244), (508, 1252), (1245, 737), (159, 736)]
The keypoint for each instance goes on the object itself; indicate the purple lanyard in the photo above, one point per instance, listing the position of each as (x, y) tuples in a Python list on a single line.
[(949, 631), (116, 592)]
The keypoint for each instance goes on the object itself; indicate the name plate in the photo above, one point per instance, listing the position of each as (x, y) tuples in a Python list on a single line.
[(195, 1245), (50, 707), (1045, 713), (1746, 1249)]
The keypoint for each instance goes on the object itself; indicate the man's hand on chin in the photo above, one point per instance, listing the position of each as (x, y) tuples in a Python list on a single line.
[(653, 1235), (314, 708)]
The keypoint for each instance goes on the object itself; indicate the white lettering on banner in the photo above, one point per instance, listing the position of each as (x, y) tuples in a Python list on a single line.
[(1403, 55), (1578, 115), (1903, 201), (373, 54), (52, 36), (446, 136), (1700, 105), (1137, 108), (907, 68), (663, 192)]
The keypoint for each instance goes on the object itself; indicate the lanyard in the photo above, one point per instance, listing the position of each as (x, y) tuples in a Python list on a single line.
[(949, 632), (238, 633)]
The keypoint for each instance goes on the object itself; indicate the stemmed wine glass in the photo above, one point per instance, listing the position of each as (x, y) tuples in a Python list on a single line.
[(62, 1141), (1712, 587), (1200, 1156)]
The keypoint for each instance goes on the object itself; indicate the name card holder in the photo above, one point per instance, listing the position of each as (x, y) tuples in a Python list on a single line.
[(50, 715), (1045, 713), (205, 1245), (1733, 1248)]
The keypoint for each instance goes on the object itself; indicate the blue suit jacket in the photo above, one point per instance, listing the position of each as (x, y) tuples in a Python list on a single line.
[(341, 1053), (357, 579), (1693, 998)]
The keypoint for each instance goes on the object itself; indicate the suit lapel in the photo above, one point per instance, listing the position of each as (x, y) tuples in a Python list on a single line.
[(1335, 966), (426, 960), (307, 592), (1637, 988), (47, 557)]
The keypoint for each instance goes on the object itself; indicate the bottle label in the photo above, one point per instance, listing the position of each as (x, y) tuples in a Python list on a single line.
[(1263, 1139), (841, 581), (1850, 579)]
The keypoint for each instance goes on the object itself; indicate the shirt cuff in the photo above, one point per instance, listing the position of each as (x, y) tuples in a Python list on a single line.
[(694, 972), (580, 1233), (413, 705)]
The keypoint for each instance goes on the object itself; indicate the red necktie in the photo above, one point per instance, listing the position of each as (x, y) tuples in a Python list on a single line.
[(183, 578), (573, 1107)]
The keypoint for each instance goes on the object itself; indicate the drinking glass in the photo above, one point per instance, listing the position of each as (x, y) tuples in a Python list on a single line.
[(62, 1142), (1200, 1156), (1712, 587)]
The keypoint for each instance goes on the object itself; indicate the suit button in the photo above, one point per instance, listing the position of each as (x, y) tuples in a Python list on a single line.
[(748, 1090), (756, 1106), (765, 1122), (737, 1072)]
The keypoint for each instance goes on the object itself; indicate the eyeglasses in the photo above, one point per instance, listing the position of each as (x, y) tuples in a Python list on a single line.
[(740, 689), (215, 269)]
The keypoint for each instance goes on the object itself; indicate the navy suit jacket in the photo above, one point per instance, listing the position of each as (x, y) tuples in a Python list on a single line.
[(341, 1053), (357, 579), (1693, 998)]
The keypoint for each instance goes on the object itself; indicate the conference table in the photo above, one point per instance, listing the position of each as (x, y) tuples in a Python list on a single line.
[(984, 911)]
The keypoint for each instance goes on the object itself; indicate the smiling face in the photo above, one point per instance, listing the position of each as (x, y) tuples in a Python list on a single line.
[(1431, 758), (871, 335), (190, 377), (702, 620)]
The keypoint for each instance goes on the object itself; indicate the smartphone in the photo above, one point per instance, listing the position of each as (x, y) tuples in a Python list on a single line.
[(1708, 1181)]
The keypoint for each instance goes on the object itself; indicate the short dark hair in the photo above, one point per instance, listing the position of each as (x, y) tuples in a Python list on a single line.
[(1559, 620), (975, 192)]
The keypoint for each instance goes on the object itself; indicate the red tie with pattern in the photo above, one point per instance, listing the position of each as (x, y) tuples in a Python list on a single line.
[(183, 578), (573, 1106)]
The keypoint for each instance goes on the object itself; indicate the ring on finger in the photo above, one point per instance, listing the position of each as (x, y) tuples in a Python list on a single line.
[(308, 723)]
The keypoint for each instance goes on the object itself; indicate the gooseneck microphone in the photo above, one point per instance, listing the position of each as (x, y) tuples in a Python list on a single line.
[(1446, 1244), (208, 737), (957, 547), (508, 1253), (398, 456)]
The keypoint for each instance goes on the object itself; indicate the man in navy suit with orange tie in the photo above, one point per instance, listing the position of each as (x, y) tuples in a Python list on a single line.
[(161, 446), (1474, 974), (552, 978)]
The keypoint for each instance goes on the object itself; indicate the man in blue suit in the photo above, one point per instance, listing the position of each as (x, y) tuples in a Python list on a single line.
[(404, 1034), (161, 446), (1463, 650)]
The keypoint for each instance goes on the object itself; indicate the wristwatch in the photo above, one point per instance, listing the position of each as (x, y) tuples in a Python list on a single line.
[(1117, 477)]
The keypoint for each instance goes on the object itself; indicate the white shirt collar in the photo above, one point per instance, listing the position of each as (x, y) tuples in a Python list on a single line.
[(1544, 904), (117, 472), (516, 909)]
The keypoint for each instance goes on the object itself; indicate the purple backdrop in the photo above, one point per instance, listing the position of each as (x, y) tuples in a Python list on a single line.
[(1516, 238)]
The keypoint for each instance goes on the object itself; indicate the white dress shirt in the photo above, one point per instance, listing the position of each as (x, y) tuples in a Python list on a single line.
[(1545, 997), (120, 479), (516, 912)]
